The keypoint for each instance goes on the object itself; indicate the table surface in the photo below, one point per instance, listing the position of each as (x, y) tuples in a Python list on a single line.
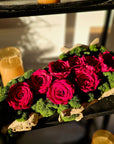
[(32, 8)]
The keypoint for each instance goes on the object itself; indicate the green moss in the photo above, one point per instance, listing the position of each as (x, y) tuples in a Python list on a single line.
[(79, 51), (63, 56), (42, 108), (91, 97), (24, 117), (3, 93), (76, 51), (21, 79), (107, 74), (52, 105), (2, 97), (110, 77), (93, 48), (19, 112), (10, 132), (28, 74), (62, 107), (69, 118), (9, 84), (75, 102), (4, 90), (111, 80), (104, 87), (102, 49), (87, 53), (13, 81)]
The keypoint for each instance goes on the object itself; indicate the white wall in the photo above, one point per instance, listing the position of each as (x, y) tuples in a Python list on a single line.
[(84, 22), (40, 38)]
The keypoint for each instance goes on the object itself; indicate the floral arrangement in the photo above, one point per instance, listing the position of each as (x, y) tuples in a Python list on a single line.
[(78, 77)]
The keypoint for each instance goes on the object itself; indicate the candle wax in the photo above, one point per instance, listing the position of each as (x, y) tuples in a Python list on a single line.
[(11, 67)]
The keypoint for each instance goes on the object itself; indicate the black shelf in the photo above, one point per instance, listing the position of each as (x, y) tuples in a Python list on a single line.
[(103, 107), (20, 9)]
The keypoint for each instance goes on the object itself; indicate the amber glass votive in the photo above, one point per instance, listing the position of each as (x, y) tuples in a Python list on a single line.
[(48, 1), (11, 67), (9, 52), (102, 137)]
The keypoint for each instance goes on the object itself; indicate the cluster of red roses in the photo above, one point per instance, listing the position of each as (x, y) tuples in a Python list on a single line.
[(54, 82)]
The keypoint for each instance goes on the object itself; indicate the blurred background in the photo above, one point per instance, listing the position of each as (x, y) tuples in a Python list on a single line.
[(40, 39)]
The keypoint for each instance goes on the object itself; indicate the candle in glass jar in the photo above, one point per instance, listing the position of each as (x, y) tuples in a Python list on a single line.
[(9, 52), (11, 67), (102, 137), (48, 1)]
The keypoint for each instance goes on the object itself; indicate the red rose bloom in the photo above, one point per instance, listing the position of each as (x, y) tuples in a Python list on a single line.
[(107, 61), (40, 81), (60, 92), (20, 96), (87, 80), (93, 62), (76, 62), (59, 69)]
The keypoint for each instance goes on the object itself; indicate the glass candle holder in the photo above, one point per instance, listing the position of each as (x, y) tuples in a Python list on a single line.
[(9, 52), (11, 67), (102, 137), (48, 1)]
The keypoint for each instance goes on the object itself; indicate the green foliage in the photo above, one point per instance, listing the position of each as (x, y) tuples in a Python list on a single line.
[(23, 117), (13, 81), (93, 48), (3, 93), (104, 87), (79, 51), (9, 84), (42, 108), (109, 84), (28, 74), (19, 112), (62, 107), (10, 132), (21, 79), (76, 51), (91, 97), (102, 49), (110, 77), (63, 56), (87, 53), (2, 97), (4, 90), (75, 102), (107, 74), (52, 105), (69, 118)]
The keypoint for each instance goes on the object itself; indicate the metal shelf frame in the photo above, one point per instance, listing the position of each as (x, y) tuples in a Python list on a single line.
[(21, 9)]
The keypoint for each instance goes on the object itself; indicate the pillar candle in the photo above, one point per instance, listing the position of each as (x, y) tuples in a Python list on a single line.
[(9, 52), (11, 67)]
